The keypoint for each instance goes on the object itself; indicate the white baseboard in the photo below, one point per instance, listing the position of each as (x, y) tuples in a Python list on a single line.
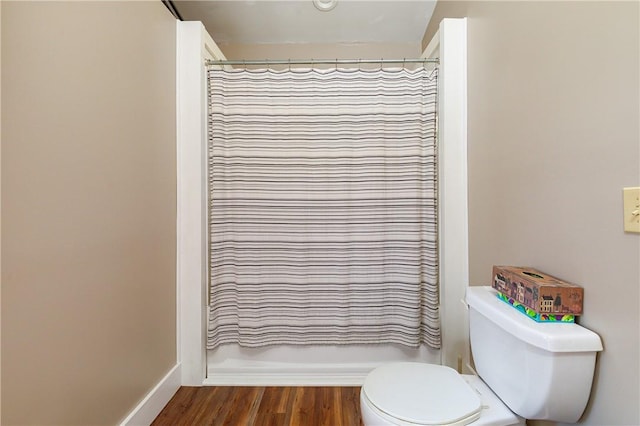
[(282, 374), (155, 400)]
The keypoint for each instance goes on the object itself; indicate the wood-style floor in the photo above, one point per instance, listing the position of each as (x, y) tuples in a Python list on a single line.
[(263, 406)]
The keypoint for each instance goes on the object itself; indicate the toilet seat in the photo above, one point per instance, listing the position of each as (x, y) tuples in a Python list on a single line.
[(421, 394)]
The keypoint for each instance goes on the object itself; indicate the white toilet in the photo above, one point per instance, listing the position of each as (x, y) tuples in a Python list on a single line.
[(526, 370)]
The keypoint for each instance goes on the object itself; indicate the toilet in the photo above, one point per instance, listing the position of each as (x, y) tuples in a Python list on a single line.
[(525, 370)]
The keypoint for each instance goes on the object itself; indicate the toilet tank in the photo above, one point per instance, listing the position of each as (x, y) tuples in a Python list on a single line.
[(539, 370)]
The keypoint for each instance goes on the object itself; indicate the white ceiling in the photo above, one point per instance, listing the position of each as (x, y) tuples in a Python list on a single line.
[(298, 21)]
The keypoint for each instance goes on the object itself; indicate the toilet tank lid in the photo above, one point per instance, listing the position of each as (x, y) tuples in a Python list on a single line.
[(552, 337)]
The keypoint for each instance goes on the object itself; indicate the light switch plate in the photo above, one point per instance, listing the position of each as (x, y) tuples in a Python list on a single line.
[(631, 209)]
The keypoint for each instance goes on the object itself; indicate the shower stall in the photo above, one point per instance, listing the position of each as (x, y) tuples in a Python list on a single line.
[(316, 364)]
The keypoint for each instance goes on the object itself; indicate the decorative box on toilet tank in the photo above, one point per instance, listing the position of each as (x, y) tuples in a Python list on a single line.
[(538, 295)]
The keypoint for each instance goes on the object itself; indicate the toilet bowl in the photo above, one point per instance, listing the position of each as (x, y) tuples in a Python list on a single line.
[(411, 394)]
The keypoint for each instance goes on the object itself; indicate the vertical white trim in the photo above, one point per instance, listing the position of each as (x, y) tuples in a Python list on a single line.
[(453, 211), (193, 45), (191, 279)]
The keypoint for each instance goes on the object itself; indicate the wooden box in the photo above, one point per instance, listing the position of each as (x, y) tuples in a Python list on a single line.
[(541, 292)]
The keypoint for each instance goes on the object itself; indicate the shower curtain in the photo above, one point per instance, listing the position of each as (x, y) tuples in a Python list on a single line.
[(322, 198)]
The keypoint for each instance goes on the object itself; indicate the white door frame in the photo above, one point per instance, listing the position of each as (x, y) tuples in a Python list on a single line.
[(450, 44), (193, 46)]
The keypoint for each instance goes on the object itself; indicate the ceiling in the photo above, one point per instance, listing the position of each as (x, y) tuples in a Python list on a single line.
[(298, 21)]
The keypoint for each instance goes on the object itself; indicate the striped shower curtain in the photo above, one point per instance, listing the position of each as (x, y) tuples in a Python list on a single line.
[(322, 197)]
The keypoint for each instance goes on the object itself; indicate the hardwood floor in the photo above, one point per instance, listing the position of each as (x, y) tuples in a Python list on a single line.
[(262, 406)]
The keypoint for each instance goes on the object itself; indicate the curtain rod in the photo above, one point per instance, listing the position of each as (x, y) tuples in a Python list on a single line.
[(322, 61)]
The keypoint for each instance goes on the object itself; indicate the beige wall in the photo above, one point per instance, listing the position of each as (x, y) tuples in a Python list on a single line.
[(322, 51), (553, 91), (88, 208)]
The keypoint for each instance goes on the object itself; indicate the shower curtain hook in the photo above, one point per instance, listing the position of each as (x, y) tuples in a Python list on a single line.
[(336, 64), (289, 64), (359, 62), (404, 63), (381, 63), (244, 64)]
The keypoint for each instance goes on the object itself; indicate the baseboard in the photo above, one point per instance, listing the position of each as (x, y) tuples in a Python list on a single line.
[(155, 400), (282, 374)]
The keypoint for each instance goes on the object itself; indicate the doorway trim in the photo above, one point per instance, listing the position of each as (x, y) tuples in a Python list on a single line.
[(450, 44), (193, 46)]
